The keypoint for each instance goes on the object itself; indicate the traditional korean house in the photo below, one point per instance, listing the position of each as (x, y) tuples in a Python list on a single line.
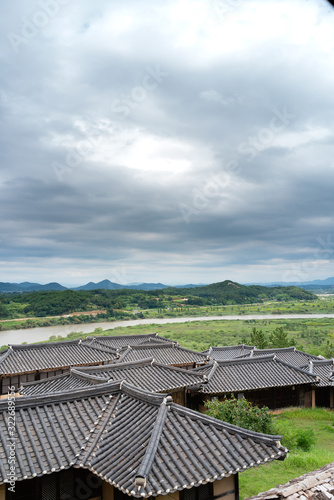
[(323, 392), (228, 352), (112, 441), (30, 362), (264, 381), (118, 342), (145, 373), (165, 353), (290, 355), (315, 485)]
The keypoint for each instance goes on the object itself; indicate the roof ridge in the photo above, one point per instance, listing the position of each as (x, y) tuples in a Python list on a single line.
[(105, 348), (297, 368), (84, 376), (233, 346), (59, 397), (90, 446), (5, 354), (43, 345), (140, 362), (44, 380), (146, 464), (257, 359)]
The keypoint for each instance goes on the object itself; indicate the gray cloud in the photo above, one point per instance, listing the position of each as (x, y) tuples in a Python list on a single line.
[(176, 144)]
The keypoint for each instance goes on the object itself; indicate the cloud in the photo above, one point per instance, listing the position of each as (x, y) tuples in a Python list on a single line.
[(190, 141)]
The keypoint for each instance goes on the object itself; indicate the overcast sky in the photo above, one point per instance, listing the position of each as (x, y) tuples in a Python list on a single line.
[(181, 141)]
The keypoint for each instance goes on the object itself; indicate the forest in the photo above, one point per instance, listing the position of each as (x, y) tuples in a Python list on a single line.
[(117, 303)]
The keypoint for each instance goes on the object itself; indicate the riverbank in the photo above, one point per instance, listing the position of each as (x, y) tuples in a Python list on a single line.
[(44, 333)]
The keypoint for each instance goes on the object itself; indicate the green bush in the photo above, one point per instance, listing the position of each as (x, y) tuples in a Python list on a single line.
[(305, 439), (242, 413), (294, 438)]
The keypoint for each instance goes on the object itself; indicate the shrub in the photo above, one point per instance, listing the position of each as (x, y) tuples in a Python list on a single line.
[(294, 438), (242, 413)]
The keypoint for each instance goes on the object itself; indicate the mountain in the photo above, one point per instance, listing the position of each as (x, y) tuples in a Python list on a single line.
[(29, 287), (235, 293), (203, 290), (325, 282), (104, 285)]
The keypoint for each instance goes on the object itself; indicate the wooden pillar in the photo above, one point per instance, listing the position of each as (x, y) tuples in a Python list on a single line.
[(3, 492), (313, 398), (331, 397)]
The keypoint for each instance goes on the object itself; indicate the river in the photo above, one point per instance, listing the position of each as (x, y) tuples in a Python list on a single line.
[(43, 333)]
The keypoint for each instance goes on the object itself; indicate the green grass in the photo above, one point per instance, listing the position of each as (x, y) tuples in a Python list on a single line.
[(311, 335), (264, 477)]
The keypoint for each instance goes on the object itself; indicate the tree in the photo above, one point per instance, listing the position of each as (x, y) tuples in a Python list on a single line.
[(3, 311), (242, 413), (279, 338), (258, 339), (328, 350)]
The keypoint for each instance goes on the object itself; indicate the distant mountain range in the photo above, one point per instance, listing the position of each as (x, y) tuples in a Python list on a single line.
[(323, 283), (109, 285), (105, 285)]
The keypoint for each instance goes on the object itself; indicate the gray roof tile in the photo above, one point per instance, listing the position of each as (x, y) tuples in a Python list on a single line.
[(324, 368), (121, 341), (140, 442), (254, 373), (228, 352), (144, 373), (27, 358), (288, 354), (164, 353)]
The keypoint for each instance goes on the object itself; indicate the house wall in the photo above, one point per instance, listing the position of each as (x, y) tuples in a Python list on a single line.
[(179, 397), (226, 488), (107, 491), (170, 496)]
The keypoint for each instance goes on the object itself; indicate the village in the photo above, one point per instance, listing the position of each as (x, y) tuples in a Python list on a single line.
[(114, 416)]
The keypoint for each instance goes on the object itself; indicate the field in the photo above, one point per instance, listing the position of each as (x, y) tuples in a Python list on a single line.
[(310, 335), (298, 462)]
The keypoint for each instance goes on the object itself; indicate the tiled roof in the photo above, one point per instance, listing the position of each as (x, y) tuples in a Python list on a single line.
[(228, 352), (288, 354), (60, 383), (255, 373), (143, 374), (316, 485), (50, 356), (324, 368), (120, 341), (140, 442), (148, 374), (164, 353)]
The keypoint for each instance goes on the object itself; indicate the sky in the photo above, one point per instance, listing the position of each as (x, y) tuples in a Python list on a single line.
[(183, 141)]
